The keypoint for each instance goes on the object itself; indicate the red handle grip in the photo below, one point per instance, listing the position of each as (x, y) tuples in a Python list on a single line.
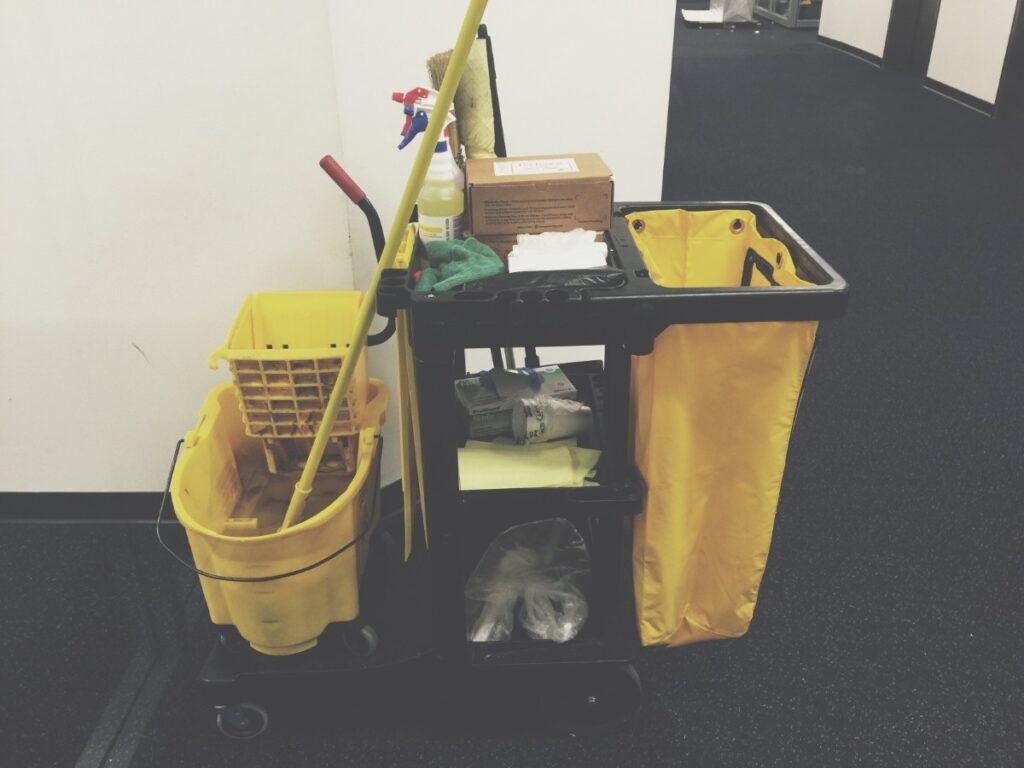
[(342, 179)]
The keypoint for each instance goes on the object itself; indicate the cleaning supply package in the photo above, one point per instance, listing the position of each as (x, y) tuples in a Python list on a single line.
[(488, 399)]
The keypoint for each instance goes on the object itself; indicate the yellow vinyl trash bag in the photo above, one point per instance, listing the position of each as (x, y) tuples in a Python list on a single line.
[(711, 414)]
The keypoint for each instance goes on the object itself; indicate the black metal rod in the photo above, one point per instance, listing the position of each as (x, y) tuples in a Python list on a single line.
[(376, 229), (377, 236)]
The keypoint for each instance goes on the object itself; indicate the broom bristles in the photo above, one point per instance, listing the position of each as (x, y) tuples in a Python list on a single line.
[(437, 65)]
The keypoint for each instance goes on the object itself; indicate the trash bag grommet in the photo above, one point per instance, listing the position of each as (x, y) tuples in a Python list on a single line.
[(736, 226), (638, 225)]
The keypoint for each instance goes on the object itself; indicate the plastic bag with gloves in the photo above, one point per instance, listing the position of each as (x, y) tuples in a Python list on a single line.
[(541, 568)]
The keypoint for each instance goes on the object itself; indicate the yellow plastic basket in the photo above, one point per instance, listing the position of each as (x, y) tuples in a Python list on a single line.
[(285, 351), (231, 509)]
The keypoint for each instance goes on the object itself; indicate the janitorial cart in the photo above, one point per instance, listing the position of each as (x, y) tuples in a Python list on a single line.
[(706, 314)]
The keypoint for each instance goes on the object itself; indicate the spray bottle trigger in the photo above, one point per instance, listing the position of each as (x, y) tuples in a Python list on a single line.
[(417, 124)]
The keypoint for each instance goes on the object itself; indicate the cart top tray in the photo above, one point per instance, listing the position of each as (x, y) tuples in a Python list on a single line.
[(621, 304)]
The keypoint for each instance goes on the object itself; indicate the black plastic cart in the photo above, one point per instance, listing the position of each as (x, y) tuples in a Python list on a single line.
[(416, 610)]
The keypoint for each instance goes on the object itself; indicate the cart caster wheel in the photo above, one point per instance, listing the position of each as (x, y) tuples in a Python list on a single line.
[(242, 721), (361, 640), (598, 699)]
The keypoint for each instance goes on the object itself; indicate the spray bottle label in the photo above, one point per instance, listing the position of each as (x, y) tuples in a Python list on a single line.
[(434, 228)]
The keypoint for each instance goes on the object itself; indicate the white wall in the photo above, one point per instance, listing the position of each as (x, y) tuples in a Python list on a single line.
[(971, 40), (157, 162), (573, 75), (864, 24)]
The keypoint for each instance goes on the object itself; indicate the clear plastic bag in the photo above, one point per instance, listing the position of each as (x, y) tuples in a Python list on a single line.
[(543, 568)]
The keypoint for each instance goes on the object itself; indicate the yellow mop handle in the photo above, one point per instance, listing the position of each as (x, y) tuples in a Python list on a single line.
[(367, 310)]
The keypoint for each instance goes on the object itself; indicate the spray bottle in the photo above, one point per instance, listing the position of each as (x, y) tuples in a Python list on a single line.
[(441, 202)]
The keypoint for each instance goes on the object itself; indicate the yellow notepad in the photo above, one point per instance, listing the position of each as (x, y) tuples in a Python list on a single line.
[(502, 464)]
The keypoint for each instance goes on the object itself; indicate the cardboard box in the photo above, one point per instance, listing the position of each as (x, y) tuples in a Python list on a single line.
[(540, 193)]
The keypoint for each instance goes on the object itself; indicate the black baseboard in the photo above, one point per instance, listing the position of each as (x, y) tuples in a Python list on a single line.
[(965, 99), (79, 507), (870, 58), (113, 507)]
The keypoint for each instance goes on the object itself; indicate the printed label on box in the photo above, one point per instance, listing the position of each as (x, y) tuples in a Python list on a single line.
[(536, 167)]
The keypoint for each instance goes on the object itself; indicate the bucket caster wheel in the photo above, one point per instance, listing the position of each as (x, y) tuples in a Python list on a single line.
[(604, 697), (360, 640), (242, 721), (231, 640)]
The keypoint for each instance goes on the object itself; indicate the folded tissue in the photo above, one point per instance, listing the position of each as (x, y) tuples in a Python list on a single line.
[(558, 250)]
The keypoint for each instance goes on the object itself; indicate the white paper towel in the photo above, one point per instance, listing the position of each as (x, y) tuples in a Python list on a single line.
[(557, 250)]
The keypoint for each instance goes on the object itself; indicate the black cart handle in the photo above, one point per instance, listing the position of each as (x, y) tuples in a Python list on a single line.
[(355, 193)]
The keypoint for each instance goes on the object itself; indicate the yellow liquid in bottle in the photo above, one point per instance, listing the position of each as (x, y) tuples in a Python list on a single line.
[(441, 203)]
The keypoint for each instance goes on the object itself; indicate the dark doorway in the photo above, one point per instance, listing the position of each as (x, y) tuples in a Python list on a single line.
[(911, 34)]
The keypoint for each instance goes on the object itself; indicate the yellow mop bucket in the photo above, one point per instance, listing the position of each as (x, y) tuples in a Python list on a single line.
[(712, 411), (285, 612), (280, 588)]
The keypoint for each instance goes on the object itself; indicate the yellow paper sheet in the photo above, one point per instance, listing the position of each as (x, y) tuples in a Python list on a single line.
[(559, 464), (585, 460)]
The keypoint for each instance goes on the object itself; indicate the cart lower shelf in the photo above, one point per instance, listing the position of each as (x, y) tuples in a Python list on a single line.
[(576, 685)]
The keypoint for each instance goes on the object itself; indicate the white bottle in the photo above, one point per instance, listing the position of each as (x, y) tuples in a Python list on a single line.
[(441, 202)]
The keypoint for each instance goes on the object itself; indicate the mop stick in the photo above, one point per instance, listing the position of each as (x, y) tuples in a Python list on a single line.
[(368, 308)]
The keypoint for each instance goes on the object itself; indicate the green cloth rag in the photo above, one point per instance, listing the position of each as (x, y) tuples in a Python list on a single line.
[(454, 262)]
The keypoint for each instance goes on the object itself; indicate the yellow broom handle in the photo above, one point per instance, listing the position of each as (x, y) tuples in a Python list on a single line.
[(367, 310)]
